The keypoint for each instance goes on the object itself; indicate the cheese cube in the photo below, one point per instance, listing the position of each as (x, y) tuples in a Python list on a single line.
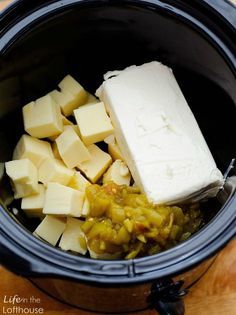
[(66, 124), (118, 173), (71, 148), (24, 189), (86, 208), (51, 229), (110, 139), (62, 200), (42, 118), (24, 176), (33, 205), (74, 127), (70, 86), (53, 170), (33, 149), (97, 165), (114, 151), (20, 170), (93, 122), (55, 151), (73, 237), (79, 182), (67, 101), (66, 121), (92, 99)]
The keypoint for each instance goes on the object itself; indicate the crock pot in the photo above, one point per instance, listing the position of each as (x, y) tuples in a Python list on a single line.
[(42, 41)]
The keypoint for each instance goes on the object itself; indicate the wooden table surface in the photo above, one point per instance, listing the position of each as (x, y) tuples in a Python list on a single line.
[(214, 294)]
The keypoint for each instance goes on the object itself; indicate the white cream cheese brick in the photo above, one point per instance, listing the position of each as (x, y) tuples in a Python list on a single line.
[(158, 135)]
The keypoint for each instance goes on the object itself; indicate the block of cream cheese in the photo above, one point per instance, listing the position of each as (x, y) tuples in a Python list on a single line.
[(73, 237), (32, 148), (158, 135), (42, 118), (97, 165), (53, 170), (24, 176), (93, 122), (62, 200), (71, 148), (51, 229)]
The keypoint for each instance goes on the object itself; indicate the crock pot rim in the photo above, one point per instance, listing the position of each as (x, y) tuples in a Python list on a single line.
[(129, 265), (49, 6), (40, 266)]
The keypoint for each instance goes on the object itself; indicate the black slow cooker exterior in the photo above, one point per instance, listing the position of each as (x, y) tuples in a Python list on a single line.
[(40, 42)]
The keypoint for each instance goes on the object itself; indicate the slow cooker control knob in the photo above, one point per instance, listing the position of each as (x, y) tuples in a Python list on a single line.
[(166, 297)]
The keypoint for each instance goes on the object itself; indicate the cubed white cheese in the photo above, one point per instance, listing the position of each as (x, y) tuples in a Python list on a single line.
[(62, 200), (33, 205), (73, 237), (97, 165), (66, 101), (71, 148), (42, 118), (79, 182), (53, 170), (33, 149), (66, 126), (55, 151), (114, 151), (110, 139), (86, 208), (66, 121), (74, 127), (158, 135), (51, 229), (24, 189), (91, 99), (118, 173), (93, 122), (70, 86), (24, 176)]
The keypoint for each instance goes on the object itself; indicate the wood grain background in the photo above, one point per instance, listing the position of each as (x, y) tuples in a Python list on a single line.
[(214, 294)]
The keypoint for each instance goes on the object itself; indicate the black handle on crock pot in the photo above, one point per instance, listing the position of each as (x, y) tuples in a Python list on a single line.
[(166, 297)]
